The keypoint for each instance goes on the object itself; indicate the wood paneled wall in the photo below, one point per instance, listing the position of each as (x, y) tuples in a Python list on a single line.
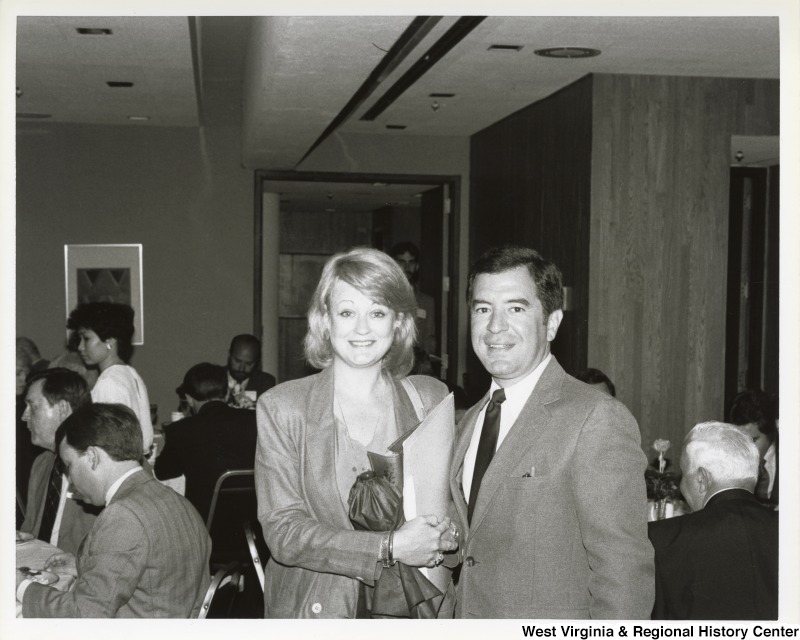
[(623, 182), (659, 238), (530, 182)]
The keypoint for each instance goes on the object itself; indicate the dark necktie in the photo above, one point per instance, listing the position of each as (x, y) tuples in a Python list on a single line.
[(51, 500), (762, 485), (486, 446)]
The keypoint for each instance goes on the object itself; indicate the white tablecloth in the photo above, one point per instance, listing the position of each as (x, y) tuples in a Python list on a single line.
[(34, 554)]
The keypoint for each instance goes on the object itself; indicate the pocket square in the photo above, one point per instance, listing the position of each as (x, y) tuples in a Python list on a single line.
[(530, 474)]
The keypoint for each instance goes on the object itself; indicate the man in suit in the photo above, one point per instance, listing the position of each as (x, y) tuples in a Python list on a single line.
[(214, 439), (147, 554), (548, 476), (52, 512), (721, 561), (246, 381), (406, 254)]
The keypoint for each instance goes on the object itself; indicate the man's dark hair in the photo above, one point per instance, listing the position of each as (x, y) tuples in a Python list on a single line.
[(402, 247), (245, 340), (63, 384), (112, 427), (595, 376), (107, 320), (205, 381), (546, 275), (754, 405)]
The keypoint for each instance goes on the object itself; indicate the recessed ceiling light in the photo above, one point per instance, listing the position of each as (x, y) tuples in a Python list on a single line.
[(93, 31), (34, 116), (396, 126), (138, 117), (505, 47), (567, 52), (114, 84)]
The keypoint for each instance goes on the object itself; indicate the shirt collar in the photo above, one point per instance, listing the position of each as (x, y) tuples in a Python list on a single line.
[(520, 391), (114, 487)]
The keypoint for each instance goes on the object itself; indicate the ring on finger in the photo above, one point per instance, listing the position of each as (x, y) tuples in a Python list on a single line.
[(439, 559)]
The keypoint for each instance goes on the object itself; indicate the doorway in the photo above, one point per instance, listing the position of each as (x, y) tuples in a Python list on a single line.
[(752, 339), (327, 212)]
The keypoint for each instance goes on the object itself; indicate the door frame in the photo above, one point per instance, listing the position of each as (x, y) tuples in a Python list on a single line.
[(453, 184)]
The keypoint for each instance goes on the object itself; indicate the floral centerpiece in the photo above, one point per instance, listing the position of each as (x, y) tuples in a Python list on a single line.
[(662, 484)]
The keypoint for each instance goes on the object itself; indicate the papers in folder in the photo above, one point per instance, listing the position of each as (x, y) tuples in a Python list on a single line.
[(427, 453)]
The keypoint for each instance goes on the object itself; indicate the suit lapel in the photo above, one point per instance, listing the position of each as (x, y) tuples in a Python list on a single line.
[(321, 449), (534, 418), (457, 468)]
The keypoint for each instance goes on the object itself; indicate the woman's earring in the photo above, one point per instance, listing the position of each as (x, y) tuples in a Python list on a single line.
[(108, 346)]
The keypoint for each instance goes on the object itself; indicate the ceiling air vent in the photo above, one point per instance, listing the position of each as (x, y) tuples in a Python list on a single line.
[(505, 47), (396, 126), (34, 116), (115, 84), (92, 31)]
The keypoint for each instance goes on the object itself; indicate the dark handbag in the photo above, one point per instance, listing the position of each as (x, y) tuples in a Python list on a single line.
[(376, 504)]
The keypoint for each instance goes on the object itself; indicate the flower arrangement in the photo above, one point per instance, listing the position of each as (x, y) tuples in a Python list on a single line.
[(662, 484)]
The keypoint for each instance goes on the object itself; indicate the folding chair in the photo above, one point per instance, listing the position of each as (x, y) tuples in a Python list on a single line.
[(232, 503), (225, 586), (259, 557)]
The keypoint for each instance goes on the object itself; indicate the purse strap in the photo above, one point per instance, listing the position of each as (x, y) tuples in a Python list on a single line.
[(415, 398)]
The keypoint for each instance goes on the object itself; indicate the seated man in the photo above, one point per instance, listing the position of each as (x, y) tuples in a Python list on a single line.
[(52, 513), (753, 411), (598, 380), (147, 553), (721, 561), (246, 381), (214, 439)]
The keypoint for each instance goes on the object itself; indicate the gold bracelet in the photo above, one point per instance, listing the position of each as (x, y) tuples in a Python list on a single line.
[(391, 548), (384, 552)]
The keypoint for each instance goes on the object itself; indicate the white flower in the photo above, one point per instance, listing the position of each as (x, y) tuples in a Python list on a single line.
[(661, 445)]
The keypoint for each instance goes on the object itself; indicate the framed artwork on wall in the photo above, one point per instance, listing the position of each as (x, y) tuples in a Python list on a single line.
[(106, 273)]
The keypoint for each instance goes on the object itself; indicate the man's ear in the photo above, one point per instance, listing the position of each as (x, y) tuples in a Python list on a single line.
[(704, 480), (95, 456), (553, 322)]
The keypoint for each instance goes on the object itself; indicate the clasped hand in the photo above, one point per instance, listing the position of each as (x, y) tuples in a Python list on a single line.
[(419, 542)]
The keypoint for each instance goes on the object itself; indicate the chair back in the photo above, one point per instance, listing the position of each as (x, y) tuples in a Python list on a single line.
[(225, 586), (258, 551), (232, 503), (20, 509)]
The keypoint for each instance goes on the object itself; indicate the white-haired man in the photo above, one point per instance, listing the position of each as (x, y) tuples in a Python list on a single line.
[(721, 561)]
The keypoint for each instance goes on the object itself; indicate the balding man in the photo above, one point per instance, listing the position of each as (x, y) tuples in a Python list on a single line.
[(721, 561), (246, 381)]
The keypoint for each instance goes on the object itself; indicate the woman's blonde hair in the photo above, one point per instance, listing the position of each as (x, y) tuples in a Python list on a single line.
[(378, 277)]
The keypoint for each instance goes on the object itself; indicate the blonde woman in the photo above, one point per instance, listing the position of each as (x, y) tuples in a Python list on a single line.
[(314, 435)]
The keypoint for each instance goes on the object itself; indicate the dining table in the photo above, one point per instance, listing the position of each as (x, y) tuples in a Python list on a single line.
[(33, 554)]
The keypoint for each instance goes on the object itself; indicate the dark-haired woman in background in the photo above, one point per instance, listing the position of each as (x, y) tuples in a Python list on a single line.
[(106, 331)]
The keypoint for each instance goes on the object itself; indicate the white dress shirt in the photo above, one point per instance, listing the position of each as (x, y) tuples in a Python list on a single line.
[(769, 465), (516, 397)]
